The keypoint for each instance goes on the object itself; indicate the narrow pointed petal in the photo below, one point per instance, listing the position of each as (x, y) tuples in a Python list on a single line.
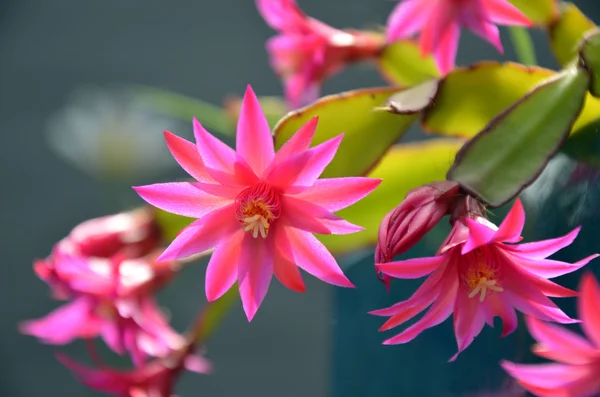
[(303, 215), (437, 313), (254, 141), (281, 14), (558, 343), (181, 198), (588, 307), (502, 12), (285, 269), (445, 53), (300, 141), (548, 268), (187, 156), (340, 226), (511, 227), (407, 18), (334, 194), (545, 248), (222, 269), (536, 304), (545, 375), (406, 310), (411, 268), (480, 233), (469, 319), (254, 272), (214, 153), (314, 258), (497, 305), (202, 234)]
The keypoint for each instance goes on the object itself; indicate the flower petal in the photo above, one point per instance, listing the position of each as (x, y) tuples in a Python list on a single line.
[(254, 141), (511, 227), (300, 141), (469, 318), (340, 226), (547, 376), (255, 271), (502, 12), (534, 303), (314, 258), (214, 153), (411, 268), (181, 198), (187, 156), (334, 194), (480, 233), (548, 268), (202, 234), (588, 307), (545, 248), (558, 343), (445, 51), (406, 310), (303, 215), (285, 269), (222, 269), (281, 14), (497, 305), (407, 18)]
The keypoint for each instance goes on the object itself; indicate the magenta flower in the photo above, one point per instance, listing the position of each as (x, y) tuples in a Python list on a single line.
[(440, 21), (153, 379), (479, 274), (307, 51), (577, 371), (257, 207)]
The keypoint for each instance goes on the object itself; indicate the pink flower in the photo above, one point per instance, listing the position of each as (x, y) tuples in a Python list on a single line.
[(440, 21), (577, 371), (416, 215), (307, 51), (479, 274), (153, 379), (257, 207)]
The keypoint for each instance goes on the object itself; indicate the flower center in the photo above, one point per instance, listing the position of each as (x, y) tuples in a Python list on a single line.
[(257, 207), (481, 277)]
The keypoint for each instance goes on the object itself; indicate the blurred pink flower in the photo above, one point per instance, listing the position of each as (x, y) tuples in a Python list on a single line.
[(440, 21), (257, 207), (478, 276), (111, 293), (577, 371), (152, 379), (307, 51)]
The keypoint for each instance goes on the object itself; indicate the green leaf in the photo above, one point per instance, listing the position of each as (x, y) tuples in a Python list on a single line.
[(469, 98), (523, 45), (369, 130), (403, 168), (540, 12), (170, 224), (516, 146), (590, 54), (402, 64), (567, 32)]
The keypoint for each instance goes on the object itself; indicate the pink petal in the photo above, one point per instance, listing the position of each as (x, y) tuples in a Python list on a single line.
[(469, 318), (406, 310), (445, 52), (475, 18), (112, 334), (502, 12), (510, 229), (186, 154), (221, 272), (286, 271), (254, 141), (314, 258), (532, 302), (255, 271), (411, 268), (65, 324), (303, 215), (202, 234), (281, 14), (334, 194), (407, 18), (497, 305), (548, 268), (558, 343), (301, 89), (214, 153), (198, 364), (300, 141), (340, 226), (588, 306), (480, 234), (181, 198), (546, 375), (545, 248), (437, 313)]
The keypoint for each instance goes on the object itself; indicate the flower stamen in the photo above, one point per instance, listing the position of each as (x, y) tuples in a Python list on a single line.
[(481, 278), (257, 207)]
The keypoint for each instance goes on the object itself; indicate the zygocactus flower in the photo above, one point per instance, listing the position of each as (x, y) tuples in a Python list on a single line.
[(257, 207), (479, 273), (307, 51), (577, 370), (440, 21)]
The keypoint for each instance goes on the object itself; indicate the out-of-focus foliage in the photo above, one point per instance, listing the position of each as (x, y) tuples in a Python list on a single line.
[(540, 12), (567, 32), (403, 64)]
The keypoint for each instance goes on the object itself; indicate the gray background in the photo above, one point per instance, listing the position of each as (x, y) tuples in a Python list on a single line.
[(206, 49)]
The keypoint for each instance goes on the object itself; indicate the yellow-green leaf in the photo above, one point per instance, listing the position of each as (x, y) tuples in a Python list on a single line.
[(402, 64), (369, 130), (170, 224), (403, 168), (540, 12), (590, 54), (468, 98), (566, 32)]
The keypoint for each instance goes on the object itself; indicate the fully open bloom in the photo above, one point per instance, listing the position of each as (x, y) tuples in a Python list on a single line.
[(98, 268), (479, 273), (577, 371), (440, 21), (257, 207), (308, 51)]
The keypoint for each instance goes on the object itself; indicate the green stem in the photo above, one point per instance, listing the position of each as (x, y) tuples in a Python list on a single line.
[(523, 45)]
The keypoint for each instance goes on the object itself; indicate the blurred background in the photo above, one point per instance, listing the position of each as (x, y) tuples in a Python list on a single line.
[(75, 137)]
